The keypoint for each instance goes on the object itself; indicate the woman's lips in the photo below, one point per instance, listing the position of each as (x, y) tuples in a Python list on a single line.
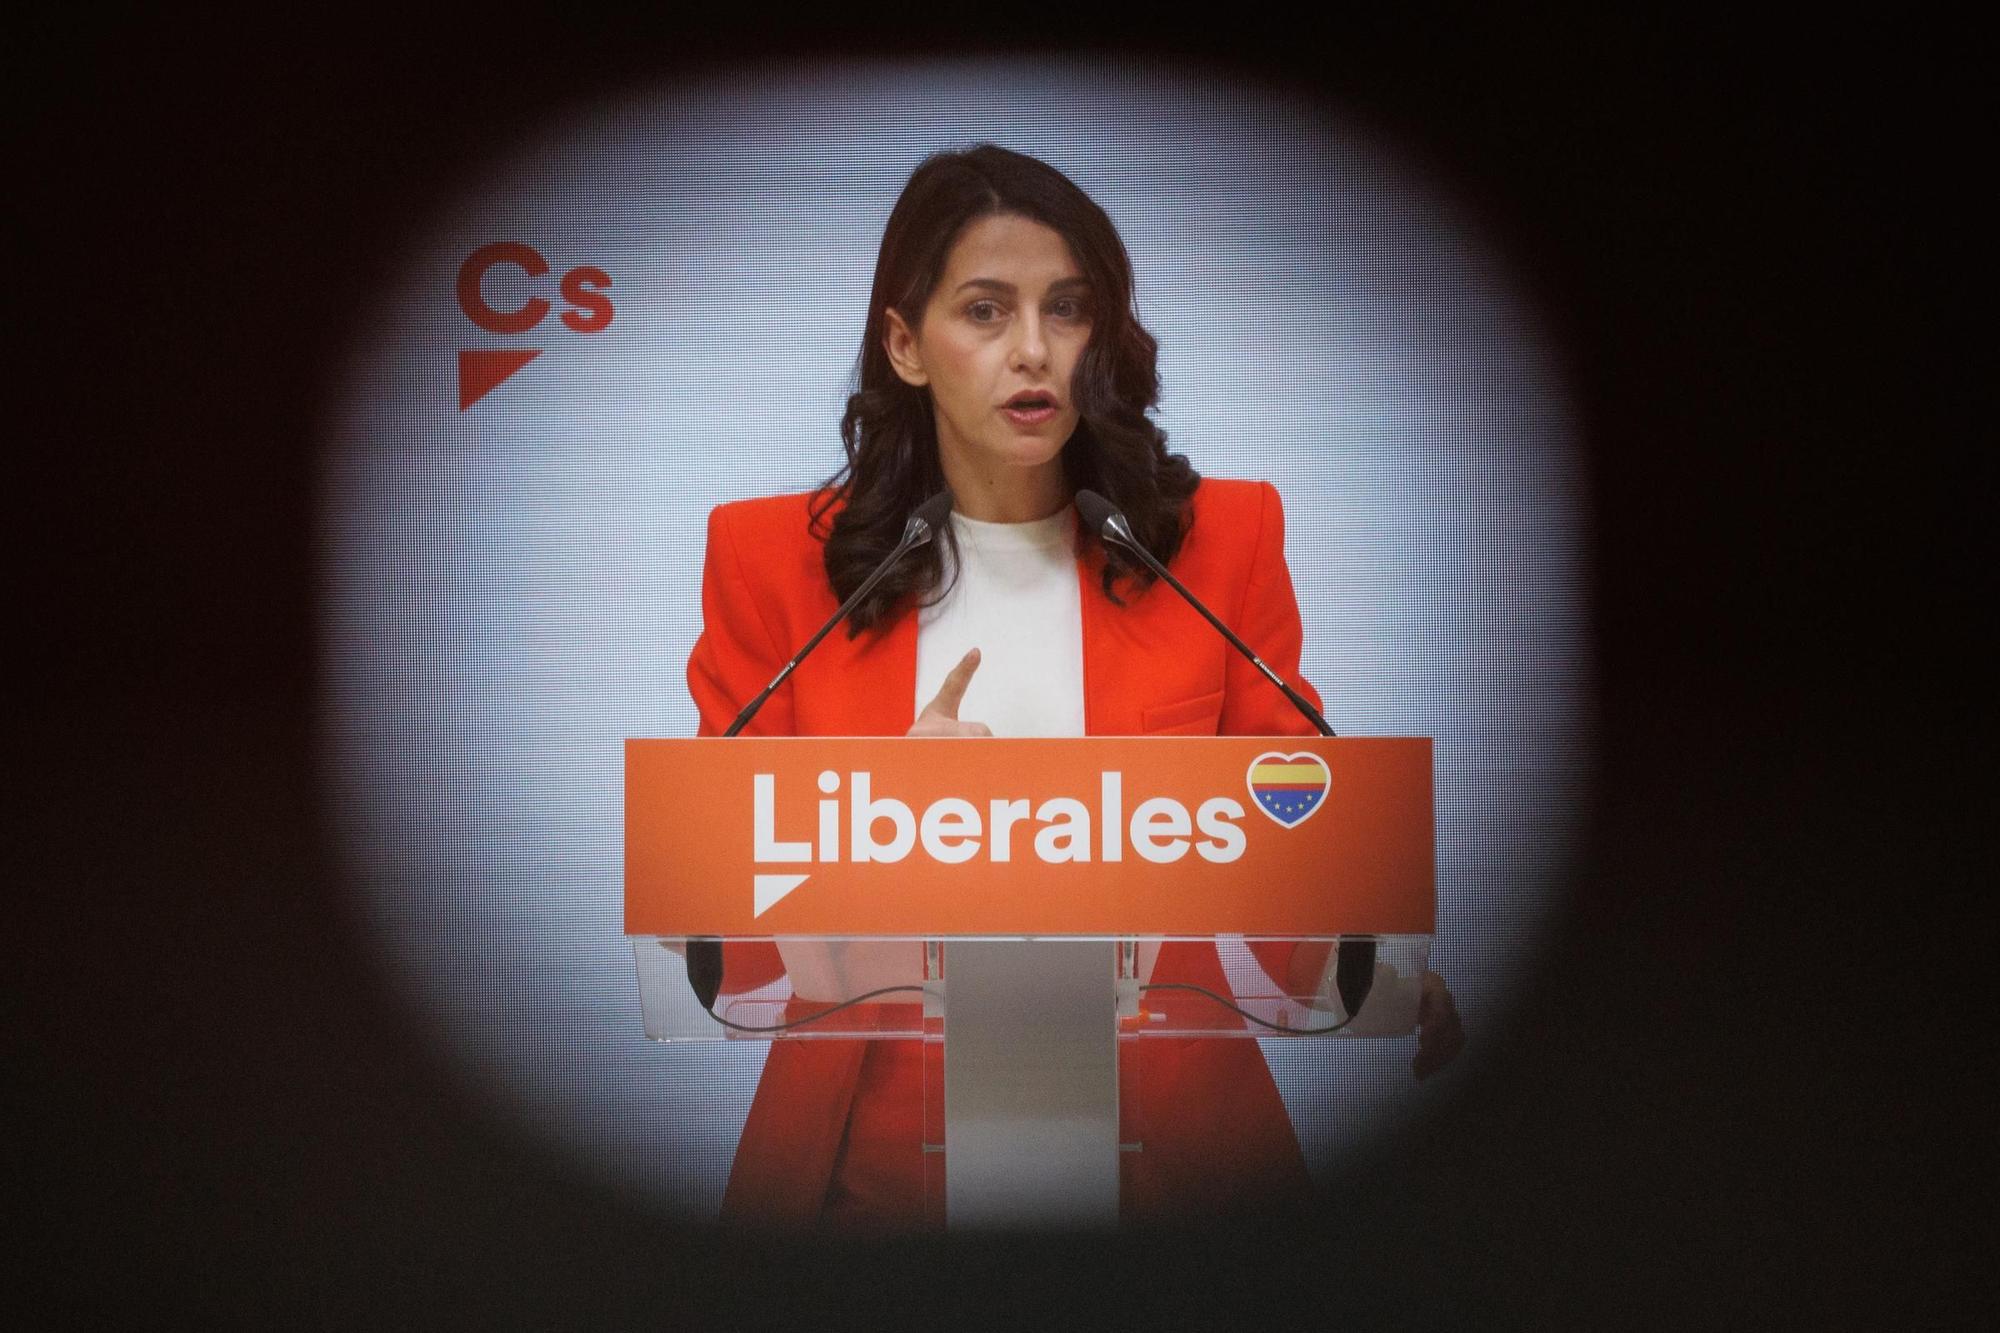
[(1030, 416)]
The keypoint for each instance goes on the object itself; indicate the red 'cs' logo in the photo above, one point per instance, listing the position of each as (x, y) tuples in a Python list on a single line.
[(482, 369)]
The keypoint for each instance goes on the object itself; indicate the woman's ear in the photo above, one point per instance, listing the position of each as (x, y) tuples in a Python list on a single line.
[(901, 345)]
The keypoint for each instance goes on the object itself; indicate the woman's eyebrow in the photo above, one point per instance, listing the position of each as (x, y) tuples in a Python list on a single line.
[(994, 284)]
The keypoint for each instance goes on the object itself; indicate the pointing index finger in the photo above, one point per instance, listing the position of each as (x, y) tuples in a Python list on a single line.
[(952, 692)]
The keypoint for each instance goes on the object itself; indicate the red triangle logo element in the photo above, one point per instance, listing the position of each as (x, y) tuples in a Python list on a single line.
[(481, 370)]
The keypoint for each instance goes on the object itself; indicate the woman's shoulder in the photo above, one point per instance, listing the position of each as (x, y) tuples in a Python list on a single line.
[(1229, 495), (769, 545), (770, 521), (1225, 505)]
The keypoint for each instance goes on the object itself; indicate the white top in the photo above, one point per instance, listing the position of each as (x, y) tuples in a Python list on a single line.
[(1016, 600)]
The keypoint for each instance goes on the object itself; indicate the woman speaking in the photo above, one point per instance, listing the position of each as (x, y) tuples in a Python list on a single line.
[(1002, 361)]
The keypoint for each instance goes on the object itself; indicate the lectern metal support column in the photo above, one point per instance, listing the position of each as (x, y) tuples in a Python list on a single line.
[(1030, 1084)]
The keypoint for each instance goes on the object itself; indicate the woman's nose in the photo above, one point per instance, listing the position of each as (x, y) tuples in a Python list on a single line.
[(1030, 347)]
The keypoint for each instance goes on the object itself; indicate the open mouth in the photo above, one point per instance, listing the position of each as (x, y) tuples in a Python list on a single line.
[(1029, 407)]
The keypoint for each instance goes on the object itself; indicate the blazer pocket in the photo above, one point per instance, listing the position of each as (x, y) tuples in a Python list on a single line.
[(1199, 716)]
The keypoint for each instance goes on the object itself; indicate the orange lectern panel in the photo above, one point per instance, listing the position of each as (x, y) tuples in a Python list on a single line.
[(1091, 836)]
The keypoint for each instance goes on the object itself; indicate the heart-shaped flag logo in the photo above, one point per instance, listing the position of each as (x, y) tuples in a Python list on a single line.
[(1288, 787)]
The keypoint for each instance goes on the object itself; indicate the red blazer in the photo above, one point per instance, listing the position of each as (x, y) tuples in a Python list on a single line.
[(1216, 1133)]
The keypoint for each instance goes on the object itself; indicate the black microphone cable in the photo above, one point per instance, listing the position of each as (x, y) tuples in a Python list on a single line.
[(1353, 978), (812, 1018), (1278, 1028), (1352, 995)]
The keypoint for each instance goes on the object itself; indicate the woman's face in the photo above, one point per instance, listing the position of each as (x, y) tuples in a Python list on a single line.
[(998, 347)]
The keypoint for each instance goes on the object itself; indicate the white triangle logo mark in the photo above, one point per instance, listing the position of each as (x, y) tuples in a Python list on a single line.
[(768, 889)]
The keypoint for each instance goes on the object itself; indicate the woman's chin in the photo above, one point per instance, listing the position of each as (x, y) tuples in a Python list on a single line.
[(996, 456), (1030, 452)]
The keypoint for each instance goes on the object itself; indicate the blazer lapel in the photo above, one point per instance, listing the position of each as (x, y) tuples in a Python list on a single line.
[(1094, 670), (1119, 644), (888, 661)]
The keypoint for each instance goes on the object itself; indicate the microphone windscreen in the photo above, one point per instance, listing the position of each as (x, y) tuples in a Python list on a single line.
[(1094, 510), (934, 511)]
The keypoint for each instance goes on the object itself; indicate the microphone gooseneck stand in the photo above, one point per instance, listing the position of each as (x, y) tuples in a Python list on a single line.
[(1354, 965), (921, 528), (704, 954), (1109, 524)]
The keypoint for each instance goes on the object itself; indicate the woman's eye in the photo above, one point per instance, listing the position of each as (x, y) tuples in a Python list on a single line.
[(1069, 308), (984, 312)]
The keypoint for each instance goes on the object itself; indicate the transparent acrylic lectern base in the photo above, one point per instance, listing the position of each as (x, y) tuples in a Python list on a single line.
[(1030, 1108)]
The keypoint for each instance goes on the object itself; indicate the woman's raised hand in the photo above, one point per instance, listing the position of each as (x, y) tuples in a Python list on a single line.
[(940, 715), (1440, 1035)]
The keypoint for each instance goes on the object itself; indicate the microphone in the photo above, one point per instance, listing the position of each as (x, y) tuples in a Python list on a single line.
[(923, 525), (704, 953), (1354, 965)]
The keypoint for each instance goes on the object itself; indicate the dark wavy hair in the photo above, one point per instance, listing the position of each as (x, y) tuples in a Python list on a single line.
[(889, 429)]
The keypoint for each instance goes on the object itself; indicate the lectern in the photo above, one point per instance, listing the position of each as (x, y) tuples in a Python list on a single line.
[(1018, 907)]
